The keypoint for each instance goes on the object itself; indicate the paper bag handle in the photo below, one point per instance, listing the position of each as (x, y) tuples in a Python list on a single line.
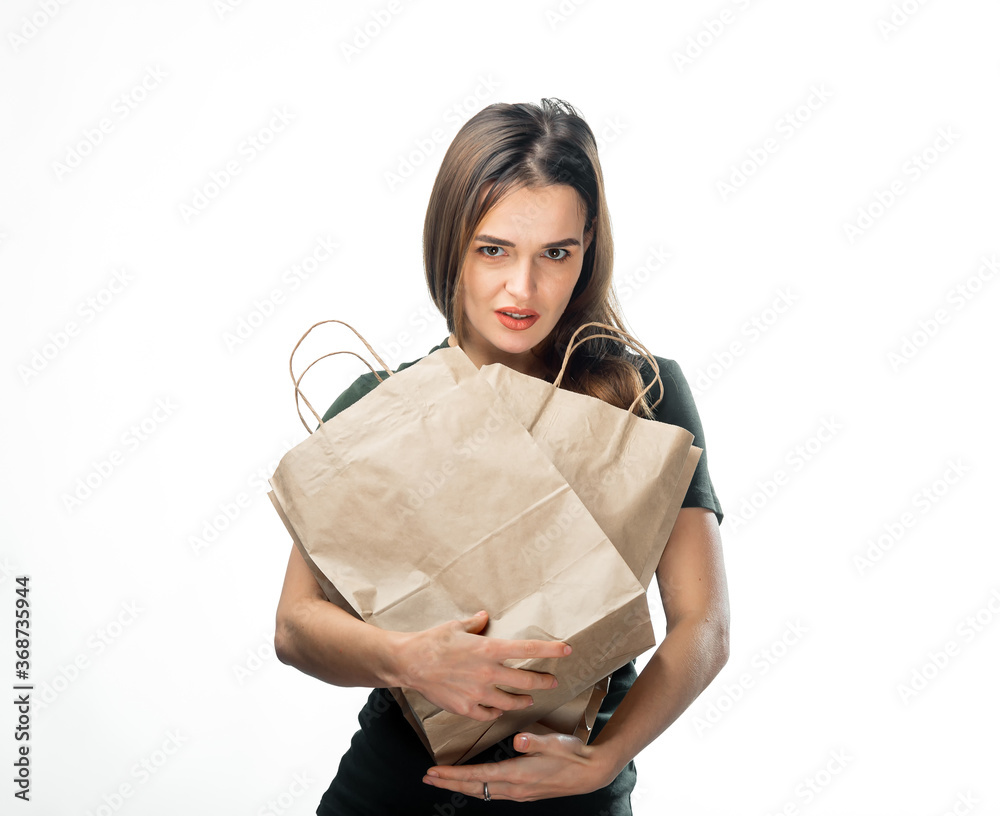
[(574, 344), (298, 392)]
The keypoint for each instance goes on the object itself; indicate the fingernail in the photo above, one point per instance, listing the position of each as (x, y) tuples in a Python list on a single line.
[(568, 650), (554, 682), (433, 773)]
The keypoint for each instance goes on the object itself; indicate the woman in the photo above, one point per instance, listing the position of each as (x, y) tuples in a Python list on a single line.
[(518, 254)]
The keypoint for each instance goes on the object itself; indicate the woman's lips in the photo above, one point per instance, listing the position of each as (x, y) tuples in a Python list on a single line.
[(517, 323)]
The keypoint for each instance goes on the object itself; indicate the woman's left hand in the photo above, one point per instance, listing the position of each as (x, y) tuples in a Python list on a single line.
[(553, 765)]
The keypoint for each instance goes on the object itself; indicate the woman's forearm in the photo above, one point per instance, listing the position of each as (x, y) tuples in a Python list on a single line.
[(690, 656), (324, 641)]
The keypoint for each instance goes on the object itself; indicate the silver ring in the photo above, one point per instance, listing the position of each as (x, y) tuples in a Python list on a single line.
[(486, 792)]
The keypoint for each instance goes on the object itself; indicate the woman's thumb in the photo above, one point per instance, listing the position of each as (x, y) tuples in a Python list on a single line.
[(476, 622)]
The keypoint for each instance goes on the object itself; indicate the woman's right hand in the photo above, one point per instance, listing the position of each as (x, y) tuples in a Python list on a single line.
[(459, 670)]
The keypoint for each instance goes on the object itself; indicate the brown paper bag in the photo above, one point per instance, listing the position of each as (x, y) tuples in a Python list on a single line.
[(631, 474), (576, 717), (424, 503)]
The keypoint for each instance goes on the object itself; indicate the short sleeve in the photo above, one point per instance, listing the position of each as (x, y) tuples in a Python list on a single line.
[(678, 408)]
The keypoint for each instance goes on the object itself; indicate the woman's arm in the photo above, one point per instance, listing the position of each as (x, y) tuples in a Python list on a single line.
[(692, 583), (322, 640), (450, 665)]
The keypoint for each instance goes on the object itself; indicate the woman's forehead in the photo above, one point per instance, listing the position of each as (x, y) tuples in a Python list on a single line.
[(552, 201)]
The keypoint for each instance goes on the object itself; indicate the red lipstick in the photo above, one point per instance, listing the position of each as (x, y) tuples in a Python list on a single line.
[(505, 316)]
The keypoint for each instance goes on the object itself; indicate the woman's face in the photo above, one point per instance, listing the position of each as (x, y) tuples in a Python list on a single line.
[(525, 259)]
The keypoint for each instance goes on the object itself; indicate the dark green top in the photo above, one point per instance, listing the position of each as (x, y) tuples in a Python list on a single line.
[(382, 770)]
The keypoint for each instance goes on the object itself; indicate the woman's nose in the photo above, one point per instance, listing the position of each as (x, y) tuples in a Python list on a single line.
[(521, 281)]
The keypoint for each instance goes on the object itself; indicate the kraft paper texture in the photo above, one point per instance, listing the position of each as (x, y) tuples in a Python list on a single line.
[(448, 489)]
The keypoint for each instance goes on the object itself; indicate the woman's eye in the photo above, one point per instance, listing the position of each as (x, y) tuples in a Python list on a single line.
[(497, 252)]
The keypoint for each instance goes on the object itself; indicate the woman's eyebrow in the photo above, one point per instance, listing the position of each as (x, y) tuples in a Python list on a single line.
[(494, 241)]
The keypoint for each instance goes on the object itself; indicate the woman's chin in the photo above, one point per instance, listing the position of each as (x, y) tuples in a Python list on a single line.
[(514, 346)]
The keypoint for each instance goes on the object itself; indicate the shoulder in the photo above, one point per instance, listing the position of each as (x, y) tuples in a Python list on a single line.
[(677, 405), (678, 408), (675, 384), (670, 373)]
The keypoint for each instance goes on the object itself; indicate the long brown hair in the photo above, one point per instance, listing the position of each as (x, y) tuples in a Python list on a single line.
[(526, 145)]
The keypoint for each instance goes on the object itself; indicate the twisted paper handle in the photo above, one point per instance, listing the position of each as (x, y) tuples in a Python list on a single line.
[(574, 345), (298, 392)]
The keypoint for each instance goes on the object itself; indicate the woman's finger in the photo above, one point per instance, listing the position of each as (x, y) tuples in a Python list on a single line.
[(525, 679), (505, 701), (511, 649), (528, 743), (484, 712)]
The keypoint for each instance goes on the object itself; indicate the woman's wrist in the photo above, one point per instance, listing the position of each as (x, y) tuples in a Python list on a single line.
[(392, 661), (613, 752), (607, 761)]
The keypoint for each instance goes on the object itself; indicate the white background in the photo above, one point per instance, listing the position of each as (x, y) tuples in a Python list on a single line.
[(833, 650)]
